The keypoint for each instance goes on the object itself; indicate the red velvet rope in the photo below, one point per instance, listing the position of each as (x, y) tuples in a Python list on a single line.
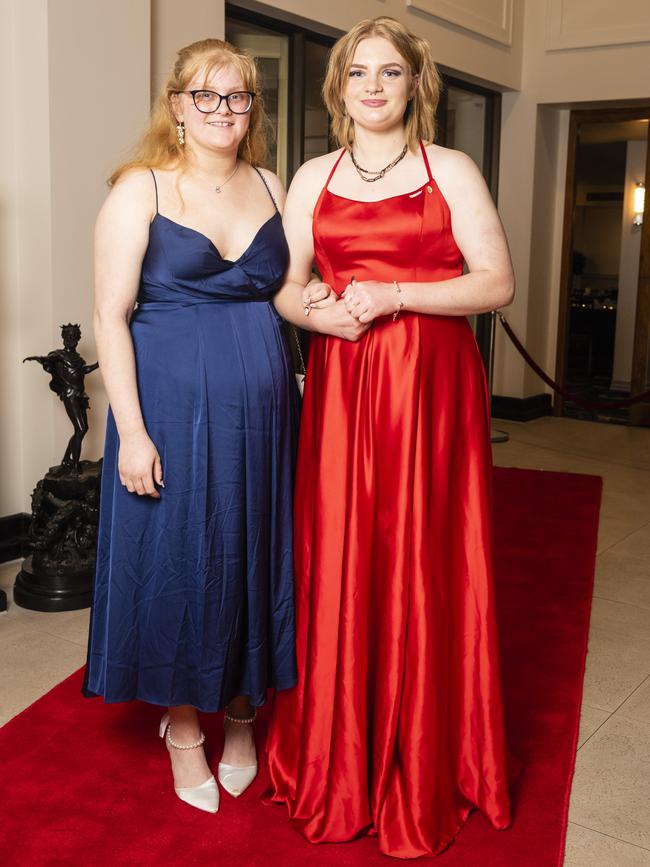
[(588, 404)]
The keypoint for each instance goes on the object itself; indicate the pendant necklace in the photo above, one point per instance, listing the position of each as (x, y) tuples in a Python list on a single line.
[(380, 174), (219, 187)]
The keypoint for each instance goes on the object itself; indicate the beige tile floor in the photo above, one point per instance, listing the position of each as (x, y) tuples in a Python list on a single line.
[(610, 802)]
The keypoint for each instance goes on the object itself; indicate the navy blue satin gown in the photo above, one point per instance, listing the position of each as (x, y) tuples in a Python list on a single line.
[(193, 599)]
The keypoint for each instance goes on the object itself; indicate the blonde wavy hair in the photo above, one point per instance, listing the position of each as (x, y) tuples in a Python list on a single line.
[(159, 146), (420, 112)]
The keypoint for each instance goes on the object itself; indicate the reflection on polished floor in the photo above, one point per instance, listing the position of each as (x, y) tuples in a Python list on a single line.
[(610, 802)]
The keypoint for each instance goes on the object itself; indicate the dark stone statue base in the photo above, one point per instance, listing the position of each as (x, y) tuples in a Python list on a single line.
[(58, 574), (53, 595)]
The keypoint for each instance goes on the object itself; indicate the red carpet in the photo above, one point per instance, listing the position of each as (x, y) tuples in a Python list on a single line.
[(88, 784)]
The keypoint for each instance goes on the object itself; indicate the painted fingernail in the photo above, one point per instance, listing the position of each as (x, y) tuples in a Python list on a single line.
[(162, 484)]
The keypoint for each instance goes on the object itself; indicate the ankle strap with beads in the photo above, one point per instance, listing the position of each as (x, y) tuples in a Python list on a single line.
[(239, 719), (176, 746)]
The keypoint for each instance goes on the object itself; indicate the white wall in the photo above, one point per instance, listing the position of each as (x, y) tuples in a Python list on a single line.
[(11, 442), (175, 25), (27, 403), (95, 116), (628, 269), (89, 65), (546, 223)]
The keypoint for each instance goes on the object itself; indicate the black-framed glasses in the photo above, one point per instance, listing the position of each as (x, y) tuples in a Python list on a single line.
[(207, 101)]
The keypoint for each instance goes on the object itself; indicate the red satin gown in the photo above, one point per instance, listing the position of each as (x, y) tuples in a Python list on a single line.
[(395, 727)]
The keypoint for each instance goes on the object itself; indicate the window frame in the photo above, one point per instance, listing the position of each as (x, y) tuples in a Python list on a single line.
[(297, 36)]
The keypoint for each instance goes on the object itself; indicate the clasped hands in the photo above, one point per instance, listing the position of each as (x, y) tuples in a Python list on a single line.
[(364, 301)]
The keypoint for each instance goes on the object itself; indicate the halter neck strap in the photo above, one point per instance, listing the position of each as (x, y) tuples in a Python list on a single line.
[(426, 161), (334, 167)]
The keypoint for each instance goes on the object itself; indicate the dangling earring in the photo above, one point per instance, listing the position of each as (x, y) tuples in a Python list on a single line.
[(247, 145), (180, 133)]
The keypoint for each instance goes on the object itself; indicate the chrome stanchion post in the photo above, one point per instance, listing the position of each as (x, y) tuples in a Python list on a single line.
[(496, 435)]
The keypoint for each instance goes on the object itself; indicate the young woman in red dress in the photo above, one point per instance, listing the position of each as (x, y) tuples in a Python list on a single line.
[(395, 727)]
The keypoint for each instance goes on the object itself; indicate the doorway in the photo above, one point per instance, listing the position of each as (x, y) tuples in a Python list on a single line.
[(604, 315)]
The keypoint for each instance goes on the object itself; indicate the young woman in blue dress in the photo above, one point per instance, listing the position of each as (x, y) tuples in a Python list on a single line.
[(193, 603)]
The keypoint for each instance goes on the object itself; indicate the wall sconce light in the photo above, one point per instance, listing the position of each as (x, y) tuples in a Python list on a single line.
[(639, 204)]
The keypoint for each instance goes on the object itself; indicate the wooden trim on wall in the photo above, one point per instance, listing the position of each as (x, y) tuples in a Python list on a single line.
[(640, 412), (566, 270), (612, 115)]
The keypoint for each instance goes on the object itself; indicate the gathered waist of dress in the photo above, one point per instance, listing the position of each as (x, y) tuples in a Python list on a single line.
[(176, 303)]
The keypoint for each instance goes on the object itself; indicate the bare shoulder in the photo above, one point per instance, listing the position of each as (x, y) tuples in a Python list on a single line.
[(130, 205), (311, 177), (451, 167), (135, 181), (316, 170), (134, 190)]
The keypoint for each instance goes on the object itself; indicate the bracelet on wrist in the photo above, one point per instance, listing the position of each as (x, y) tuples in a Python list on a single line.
[(400, 302)]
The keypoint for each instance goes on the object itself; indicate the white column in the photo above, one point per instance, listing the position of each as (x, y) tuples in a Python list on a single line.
[(11, 392), (516, 180), (31, 287), (76, 78), (99, 73)]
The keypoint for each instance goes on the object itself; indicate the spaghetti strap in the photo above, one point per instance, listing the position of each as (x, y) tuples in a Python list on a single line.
[(334, 168), (426, 161), (268, 188), (155, 187)]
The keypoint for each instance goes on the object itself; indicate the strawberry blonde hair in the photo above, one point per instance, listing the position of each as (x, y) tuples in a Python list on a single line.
[(159, 146), (419, 118)]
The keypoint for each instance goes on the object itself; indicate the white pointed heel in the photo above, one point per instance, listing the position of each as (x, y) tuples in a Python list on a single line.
[(206, 795), (236, 780)]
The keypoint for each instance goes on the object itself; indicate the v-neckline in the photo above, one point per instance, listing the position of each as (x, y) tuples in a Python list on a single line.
[(211, 242)]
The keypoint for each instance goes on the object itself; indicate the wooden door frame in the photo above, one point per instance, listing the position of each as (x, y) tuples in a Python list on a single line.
[(642, 320), (640, 412)]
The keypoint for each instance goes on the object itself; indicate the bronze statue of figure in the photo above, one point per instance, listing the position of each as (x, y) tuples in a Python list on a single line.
[(68, 369)]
